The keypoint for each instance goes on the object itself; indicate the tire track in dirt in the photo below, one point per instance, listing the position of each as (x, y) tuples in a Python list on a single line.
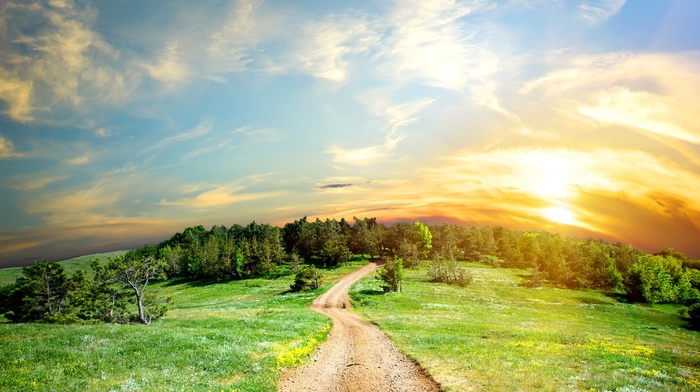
[(357, 355)]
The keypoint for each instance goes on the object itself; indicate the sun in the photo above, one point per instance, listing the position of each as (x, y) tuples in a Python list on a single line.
[(559, 215)]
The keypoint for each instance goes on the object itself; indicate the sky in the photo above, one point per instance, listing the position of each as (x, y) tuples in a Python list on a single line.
[(124, 122)]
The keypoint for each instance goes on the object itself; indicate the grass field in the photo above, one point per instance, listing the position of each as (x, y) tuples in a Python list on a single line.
[(220, 336), (9, 275), (497, 336)]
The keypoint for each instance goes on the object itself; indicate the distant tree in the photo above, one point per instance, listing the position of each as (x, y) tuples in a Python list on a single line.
[(424, 238), (363, 239), (392, 275), (308, 278)]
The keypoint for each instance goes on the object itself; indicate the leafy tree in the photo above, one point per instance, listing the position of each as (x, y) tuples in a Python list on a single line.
[(392, 275), (362, 238), (134, 274), (41, 292), (658, 279), (308, 278), (424, 237), (299, 236), (101, 298)]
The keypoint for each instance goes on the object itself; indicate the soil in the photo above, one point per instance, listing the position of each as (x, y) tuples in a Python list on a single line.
[(357, 355)]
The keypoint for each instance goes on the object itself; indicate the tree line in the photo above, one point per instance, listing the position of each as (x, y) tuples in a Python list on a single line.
[(118, 290)]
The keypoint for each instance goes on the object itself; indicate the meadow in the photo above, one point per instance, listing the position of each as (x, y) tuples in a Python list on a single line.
[(9, 275), (497, 335), (231, 336)]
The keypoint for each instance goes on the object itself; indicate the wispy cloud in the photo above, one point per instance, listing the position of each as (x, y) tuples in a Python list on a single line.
[(170, 67), (67, 64), (103, 132), (29, 183), (395, 117), (7, 149), (18, 95), (200, 130), (365, 155), (324, 47), (431, 43), (655, 94), (643, 110), (596, 12), (231, 47), (244, 137), (217, 197), (79, 160)]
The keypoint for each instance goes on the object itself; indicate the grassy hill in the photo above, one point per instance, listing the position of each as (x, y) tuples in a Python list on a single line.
[(231, 336), (498, 336), (491, 335), (9, 275)]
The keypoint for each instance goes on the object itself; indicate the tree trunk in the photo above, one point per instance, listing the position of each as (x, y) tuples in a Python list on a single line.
[(142, 315)]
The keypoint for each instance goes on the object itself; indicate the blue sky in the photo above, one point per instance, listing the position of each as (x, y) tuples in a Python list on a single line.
[(124, 122)]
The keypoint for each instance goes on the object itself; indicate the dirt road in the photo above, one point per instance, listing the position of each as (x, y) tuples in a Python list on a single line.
[(357, 355)]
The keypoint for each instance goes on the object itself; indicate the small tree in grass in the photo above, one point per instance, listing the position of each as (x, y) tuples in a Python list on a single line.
[(446, 271), (308, 278), (133, 274), (392, 275)]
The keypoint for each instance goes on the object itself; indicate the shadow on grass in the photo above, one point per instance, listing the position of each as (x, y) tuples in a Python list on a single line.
[(370, 292)]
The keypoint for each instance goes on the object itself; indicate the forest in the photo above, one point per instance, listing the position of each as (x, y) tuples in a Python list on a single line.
[(118, 291)]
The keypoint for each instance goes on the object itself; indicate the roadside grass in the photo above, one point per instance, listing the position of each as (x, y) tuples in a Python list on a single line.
[(496, 335), (10, 275), (231, 336)]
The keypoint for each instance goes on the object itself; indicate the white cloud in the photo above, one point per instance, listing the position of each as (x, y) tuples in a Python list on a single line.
[(642, 110), (102, 132), (7, 149), (64, 65), (230, 47), (366, 155), (655, 93), (79, 160), (18, 95), (28, 183), (324, 47), (596, 12), (429, 44), (395, 116), (170, 67), (200, 130), (216, 197)]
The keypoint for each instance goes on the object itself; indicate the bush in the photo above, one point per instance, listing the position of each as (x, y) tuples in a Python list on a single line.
[(308, 278), (447, 271), (391, 274), (694, 315)]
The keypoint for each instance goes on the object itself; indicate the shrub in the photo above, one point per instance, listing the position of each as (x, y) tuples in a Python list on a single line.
[(391, 274), (308, 278), (694, 315), (447, 271)]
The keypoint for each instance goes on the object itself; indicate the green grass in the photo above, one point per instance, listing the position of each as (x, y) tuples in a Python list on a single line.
[(495, 335), (218, 336), (9, 275)]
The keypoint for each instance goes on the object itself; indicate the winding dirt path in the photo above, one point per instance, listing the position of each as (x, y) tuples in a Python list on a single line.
[(357, 355)]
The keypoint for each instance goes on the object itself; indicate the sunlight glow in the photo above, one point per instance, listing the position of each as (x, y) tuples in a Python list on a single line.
[(552, 175), (559, 215)]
